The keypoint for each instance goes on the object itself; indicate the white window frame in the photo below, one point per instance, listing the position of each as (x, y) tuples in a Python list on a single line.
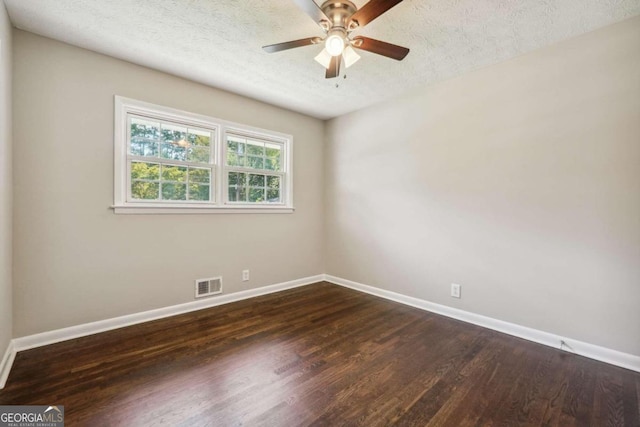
[(124, 204)]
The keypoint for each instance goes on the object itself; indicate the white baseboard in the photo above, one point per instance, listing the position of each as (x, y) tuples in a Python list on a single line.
[(591, 351), (6, 363), (72, 332)]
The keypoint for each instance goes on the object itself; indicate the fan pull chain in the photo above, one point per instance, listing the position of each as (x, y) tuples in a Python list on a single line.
[(338, 84)]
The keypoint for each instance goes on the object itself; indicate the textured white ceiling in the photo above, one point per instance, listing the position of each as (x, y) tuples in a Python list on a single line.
[(218, 42)]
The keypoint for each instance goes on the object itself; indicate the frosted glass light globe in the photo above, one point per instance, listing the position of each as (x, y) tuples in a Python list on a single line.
[(334, 45)]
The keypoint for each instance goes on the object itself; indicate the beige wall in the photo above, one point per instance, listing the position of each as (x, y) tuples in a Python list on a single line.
[(5, 182), (520, 181), (75, 260)]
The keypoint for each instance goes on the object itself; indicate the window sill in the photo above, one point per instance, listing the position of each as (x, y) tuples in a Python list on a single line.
[(180, 210)]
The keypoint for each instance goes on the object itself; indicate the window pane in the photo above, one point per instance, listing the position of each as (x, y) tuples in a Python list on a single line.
[(255, 162), (237, 194), (144, 137), (175, 144), (233, 178), (236, 151), (256, 195), (198, 154), (200, 175), (198, 192), (236, 145), (273, 182), (173, 152), (233, 193), (173, 134), (174, 191), (143, 128), (237, 187), (143, 190), (140, 170), (255, 149), (232, 159), (199, 138), (237, 178), (272, 164), (174, 174), (274, 156), (273, 196), (143, 147), (256, 180), (273, 150)]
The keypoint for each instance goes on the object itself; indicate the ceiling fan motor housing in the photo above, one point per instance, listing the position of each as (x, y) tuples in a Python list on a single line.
[(338, 13)]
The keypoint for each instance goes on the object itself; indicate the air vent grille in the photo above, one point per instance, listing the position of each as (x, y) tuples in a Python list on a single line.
[(207, 287)]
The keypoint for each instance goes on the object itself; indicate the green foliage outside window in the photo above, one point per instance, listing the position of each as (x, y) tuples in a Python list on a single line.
[(148, 178)]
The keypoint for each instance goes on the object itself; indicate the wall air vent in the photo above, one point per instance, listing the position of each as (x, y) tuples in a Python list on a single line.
[(207, 287)]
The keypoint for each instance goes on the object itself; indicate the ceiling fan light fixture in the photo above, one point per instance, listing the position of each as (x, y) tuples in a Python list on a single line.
[(337, 18), (324, 58), (350, 56), (335, 44)]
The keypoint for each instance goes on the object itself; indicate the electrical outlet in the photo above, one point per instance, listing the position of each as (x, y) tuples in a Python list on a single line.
[(455, 290), (245, 275)]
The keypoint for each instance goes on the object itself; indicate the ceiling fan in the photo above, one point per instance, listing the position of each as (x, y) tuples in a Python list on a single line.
[(338, 18)]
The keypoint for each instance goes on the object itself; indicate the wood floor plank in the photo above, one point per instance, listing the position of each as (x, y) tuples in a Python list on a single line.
[(578, 402), (608, 402), (319, 355), (631, 399)]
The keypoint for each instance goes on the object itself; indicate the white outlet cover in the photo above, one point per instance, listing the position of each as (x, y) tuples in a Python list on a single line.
[(245, 275), (456, 290)]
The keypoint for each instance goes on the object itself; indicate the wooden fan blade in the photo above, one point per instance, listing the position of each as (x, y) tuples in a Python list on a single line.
[(334, 69), (292, 44), (311, 8), (372, 10), (381, 48)]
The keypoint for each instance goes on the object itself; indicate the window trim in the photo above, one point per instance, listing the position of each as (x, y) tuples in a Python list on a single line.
[(125, 106)]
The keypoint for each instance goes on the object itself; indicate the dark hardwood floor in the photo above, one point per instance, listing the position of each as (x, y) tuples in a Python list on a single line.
[(319, 355)]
